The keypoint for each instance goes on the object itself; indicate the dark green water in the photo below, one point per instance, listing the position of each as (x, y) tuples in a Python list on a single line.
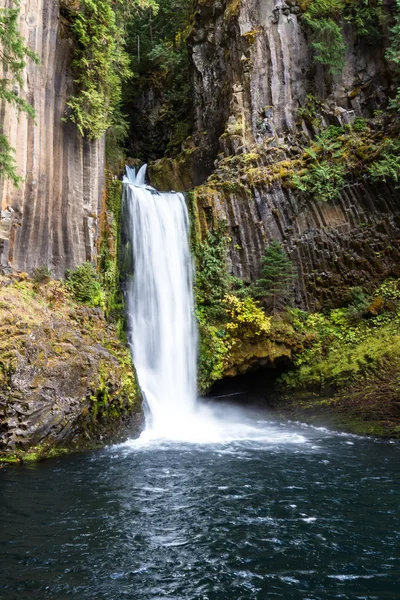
[(291, 512)]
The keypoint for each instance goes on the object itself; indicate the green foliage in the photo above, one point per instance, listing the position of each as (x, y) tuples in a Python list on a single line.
[(8, 166), (311, 111), (344, 354), (41, 275), (360, 124), (157, 44), (327, 41), (387, 167), (225, 320), (357, 304), (337, 154), (324, 180), (343, 348), (325, 18), (101, 64), (84, 285), (390, 291), (212, 353), (109, 254), (367, 17), (247, 320), (212, 279), (13, 54), (273, 288), (393, 52), (239, 321)]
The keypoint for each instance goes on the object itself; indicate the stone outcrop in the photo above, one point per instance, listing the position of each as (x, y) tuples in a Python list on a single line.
[(66, 381), (253, 70), (354, 240), (52, 219)]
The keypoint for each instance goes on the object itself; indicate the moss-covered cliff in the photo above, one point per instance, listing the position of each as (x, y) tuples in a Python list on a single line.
[(66, 381)]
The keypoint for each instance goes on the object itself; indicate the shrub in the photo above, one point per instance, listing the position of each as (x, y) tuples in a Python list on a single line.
[(41, 275), (357, 304), (84, 285), (387, 167), (246, 320)]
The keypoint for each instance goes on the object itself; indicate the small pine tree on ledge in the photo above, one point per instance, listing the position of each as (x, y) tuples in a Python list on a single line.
[(273, 288)]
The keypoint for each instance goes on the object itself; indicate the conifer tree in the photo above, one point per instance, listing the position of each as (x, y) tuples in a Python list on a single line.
[(13, 56), (277, 274)]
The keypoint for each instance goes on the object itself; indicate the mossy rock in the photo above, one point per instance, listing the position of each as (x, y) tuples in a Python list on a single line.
[(67, 382)]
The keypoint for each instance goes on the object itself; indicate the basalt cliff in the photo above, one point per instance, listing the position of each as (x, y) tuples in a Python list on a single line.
[(259, 96), (52, 218)]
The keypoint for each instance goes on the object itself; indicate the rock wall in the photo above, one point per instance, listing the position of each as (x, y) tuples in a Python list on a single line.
[(52, 218), (253, 69), (353, 241), (66, 380)]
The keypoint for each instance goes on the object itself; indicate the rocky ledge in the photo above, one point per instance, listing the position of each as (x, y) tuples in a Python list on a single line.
[(66, 381)]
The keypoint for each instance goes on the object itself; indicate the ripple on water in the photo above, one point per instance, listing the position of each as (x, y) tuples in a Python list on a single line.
[(287, 512)]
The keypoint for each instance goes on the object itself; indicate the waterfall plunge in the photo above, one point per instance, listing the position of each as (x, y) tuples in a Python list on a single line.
[(159, 298), (162, 331)]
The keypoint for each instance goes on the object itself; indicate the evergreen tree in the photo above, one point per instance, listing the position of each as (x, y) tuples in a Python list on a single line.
[(13, 55), (277, 274)]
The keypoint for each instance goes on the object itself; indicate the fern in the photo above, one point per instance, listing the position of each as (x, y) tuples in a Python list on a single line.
[(388, 166), (323, 180)]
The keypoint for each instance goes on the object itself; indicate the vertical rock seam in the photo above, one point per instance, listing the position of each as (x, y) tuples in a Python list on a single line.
[(52, 218)]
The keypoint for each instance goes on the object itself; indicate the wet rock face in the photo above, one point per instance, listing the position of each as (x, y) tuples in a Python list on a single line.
[(66, 382), (52, 218)]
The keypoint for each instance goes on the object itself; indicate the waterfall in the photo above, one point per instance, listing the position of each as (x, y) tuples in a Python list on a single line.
[(159, 300)]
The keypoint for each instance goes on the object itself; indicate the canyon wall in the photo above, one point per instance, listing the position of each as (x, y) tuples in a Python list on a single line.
[(253, 69), (351, 241), (253, 66), (52, 218)]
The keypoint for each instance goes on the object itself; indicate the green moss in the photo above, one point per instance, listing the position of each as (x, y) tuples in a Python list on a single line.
[(109, 251), (36, 454), (232, 8), (349, 373), (69, 336)]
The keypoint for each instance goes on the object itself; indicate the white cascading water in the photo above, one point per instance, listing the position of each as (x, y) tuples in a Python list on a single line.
[(160, 304), (162, 330)]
